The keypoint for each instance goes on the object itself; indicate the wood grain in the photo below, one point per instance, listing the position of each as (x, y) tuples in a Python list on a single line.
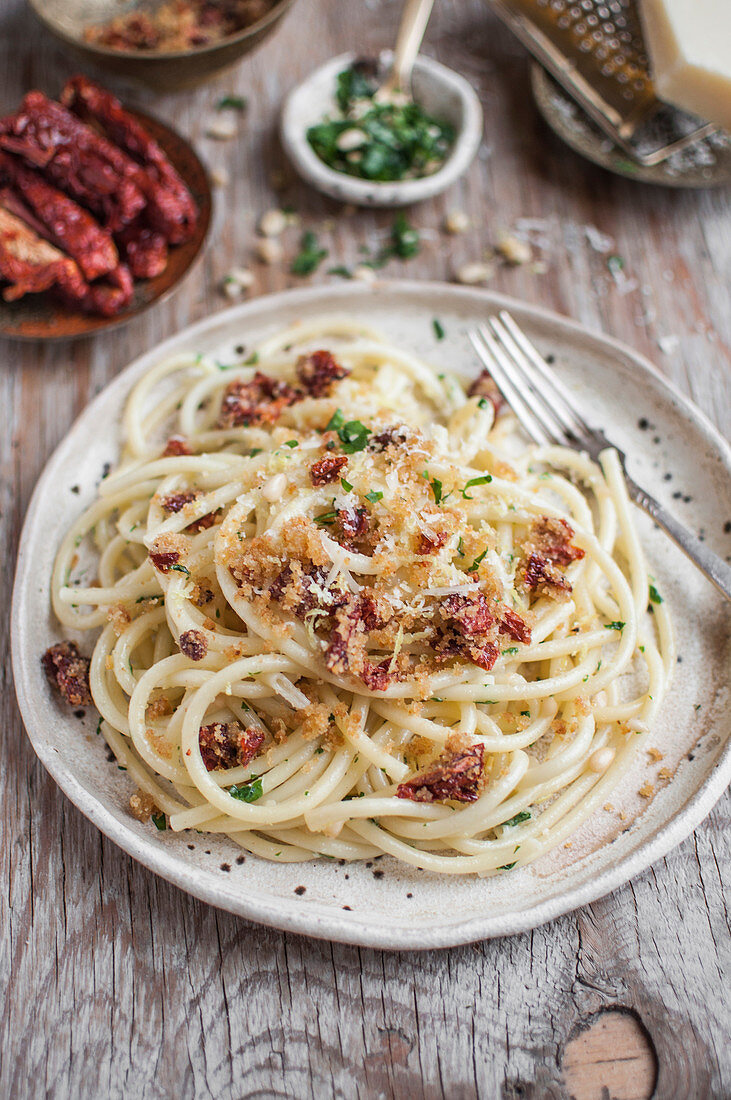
[(118, 985)]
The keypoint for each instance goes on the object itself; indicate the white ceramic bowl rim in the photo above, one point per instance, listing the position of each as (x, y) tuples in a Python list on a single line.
[(375, 192), (317, 919)]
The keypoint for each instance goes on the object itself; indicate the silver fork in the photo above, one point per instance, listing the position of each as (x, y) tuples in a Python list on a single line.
[(547, 412)]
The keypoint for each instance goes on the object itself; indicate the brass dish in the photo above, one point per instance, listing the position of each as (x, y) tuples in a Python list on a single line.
[(164, 72), (43, 317)]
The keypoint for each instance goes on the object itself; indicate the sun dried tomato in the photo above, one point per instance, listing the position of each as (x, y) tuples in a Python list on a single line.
[(68, 671), (228, 745), (318, 372), (455, 776)]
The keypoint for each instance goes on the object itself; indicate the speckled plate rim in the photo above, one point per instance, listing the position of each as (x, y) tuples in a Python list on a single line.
[(291, 914)]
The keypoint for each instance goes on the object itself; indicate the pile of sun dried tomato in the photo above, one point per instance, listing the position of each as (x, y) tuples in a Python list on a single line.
[(89, 202)]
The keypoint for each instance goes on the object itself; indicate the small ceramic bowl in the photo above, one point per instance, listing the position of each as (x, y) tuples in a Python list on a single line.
[(441, 92), (164, 72)]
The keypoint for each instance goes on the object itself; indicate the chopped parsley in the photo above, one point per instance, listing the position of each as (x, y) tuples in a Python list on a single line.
[(616, 625), (389, 141), (335, 422), (436, 488), (354, 83), (353, 436), (507, 866), (342, 271), (510, 649), (374, 496), (655, 595), (180, 569), (519, 818), (438, 329), (484, 480), (252, 360), (247, 792), (310, 255), (292, 443), (460, 547), (476, 563), (405, 240), (325, 518), (160, 821), (346, 485), (232, 103)]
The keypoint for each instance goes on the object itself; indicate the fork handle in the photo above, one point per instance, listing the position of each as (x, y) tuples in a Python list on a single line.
[(717, 570)]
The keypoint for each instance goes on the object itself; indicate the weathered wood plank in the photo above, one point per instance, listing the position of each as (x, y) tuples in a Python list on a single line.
[(116, 984)]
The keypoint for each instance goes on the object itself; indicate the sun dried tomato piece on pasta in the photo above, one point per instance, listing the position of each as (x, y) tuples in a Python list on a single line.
[(353, 529), (193, 644), (486, 386), (547, 550), (430, 543), (353, 621), (68, 670), (469, 630), (175, 502), (327, 469), (228, 745), (377, 677), (455, 776), (165, 560), (176, 445), (470, 616), (258, 401), (391, 437), (318, 372), (516, 627)]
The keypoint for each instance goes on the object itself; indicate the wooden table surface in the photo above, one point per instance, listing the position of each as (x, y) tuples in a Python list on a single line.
[(117, 984)]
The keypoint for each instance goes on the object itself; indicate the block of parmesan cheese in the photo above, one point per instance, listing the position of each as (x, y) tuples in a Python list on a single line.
[(689, 44)]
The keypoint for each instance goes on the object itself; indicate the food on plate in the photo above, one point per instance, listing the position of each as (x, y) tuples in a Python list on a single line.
[(30, 265), (86, 177), (171, 210), (342, 609), (67, 225), (177, 25), (391, 140)]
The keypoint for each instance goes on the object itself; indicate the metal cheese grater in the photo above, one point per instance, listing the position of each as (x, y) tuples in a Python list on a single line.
[(596, 51)]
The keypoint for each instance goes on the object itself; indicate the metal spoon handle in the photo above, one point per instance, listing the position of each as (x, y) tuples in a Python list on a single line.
[(410, 34)]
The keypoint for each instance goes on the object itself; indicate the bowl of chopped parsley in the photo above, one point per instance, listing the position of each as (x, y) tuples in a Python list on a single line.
[(349, 144)]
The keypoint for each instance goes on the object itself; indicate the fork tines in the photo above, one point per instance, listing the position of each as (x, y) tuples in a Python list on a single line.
[(538, 398)]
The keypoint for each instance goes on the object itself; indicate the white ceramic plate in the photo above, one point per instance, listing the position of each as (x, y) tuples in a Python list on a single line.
[(673, 450)]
